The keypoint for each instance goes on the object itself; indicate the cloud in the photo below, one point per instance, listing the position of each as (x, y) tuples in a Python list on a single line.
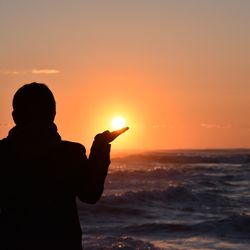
[(33, 71), (45, 71), (12, 72), (215, 126)]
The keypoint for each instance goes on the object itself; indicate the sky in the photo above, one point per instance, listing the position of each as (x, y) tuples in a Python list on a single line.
[(178, 71)]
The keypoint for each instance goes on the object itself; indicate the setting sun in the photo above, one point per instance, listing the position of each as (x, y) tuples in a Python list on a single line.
[(118, 122)]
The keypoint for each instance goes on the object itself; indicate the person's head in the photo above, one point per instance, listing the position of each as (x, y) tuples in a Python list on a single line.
[(33, 102)]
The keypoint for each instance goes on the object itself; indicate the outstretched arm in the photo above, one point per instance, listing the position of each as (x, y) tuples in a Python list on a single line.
[(98, 163)]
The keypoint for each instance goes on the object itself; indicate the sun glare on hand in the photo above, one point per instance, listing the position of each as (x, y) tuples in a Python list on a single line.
[(118, 122)]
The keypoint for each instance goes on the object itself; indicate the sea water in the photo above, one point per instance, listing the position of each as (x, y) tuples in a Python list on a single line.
[(189, 199)]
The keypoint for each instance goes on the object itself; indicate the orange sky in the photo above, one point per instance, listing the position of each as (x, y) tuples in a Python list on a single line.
[(178, 71)]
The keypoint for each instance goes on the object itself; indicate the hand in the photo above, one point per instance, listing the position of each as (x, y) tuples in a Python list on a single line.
[(108, 136)]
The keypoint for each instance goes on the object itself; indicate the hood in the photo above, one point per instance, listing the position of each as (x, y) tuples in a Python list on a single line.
[(33, 139)]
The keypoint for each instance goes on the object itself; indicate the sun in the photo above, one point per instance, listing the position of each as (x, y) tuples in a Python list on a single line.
[(118, 122)]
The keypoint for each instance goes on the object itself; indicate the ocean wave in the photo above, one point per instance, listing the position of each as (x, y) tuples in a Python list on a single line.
[(139, 203), (148, 196), (115, 243), (184, 157), (144, 203), (135, 203), (151, 173), (215, 177), (175, 171), (235, 226)]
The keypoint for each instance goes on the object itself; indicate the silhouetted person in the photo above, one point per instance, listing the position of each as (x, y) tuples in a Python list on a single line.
[(41, 176)]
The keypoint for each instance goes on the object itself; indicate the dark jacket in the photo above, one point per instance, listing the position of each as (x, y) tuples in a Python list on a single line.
[(40, 178)]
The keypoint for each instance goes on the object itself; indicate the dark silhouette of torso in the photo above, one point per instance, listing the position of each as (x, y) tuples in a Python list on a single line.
[(40, 178)]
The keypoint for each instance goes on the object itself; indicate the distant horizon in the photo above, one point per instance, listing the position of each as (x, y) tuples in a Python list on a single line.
[(138, 151)]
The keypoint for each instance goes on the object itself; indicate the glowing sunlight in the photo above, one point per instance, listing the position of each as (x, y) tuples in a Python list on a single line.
[(118, 122)]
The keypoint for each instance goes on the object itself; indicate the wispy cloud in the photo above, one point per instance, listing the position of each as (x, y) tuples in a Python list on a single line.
[(45, 71), (33, 71), (215, 126), (12, 72)]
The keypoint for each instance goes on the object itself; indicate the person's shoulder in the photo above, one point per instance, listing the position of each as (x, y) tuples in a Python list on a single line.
[(4, 146), (73, 146), (3, 142)]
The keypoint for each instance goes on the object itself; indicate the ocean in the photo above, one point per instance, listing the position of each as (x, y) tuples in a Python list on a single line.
[(183, 199)]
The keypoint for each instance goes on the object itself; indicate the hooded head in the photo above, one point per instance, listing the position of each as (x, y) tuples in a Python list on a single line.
[(33, 102)]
